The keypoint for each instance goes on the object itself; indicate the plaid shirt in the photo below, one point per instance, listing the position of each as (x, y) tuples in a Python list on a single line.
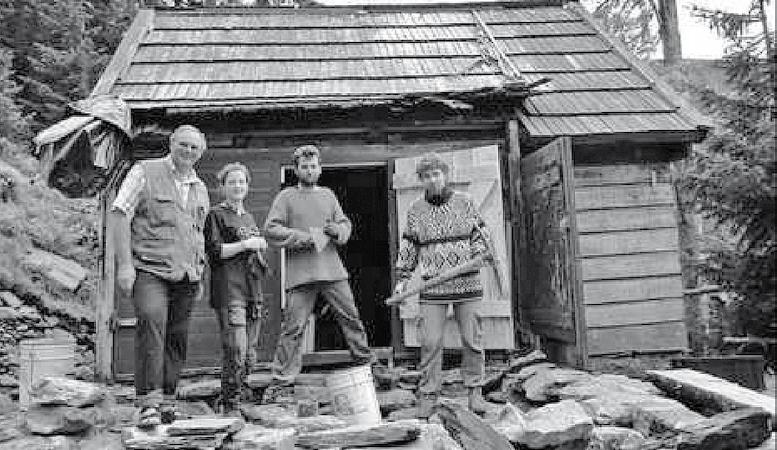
[(128, 197)]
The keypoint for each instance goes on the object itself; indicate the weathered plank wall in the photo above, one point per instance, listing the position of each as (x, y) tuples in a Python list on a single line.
[(630, 258)]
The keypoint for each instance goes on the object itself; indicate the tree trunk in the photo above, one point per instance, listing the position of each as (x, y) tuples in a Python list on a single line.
[(670, 31)]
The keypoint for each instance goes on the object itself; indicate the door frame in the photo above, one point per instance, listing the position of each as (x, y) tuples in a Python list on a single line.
[(309, 337)]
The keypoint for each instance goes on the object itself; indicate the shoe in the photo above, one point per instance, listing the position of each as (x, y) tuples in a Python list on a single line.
[(477, 404), (149, 418), (167, 413), (425, 405)]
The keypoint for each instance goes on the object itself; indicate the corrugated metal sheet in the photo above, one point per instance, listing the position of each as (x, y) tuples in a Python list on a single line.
[(335, 56)]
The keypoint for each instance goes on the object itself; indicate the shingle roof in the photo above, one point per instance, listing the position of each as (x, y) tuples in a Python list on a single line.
[(275, 58)]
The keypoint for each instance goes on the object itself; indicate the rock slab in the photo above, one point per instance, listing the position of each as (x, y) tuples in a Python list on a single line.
[(50, 420), (257, 437), (64, 391), (615, 438), (731, 430), (555, 424), (361, 436)]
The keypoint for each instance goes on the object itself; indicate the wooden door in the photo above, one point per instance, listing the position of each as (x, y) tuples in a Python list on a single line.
[(551, 294), (476, 171)]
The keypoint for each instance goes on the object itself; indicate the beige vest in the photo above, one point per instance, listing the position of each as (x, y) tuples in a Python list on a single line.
[(167, 238)]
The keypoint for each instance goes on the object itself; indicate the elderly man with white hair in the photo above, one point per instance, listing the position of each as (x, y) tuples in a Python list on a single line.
[(158, 218)]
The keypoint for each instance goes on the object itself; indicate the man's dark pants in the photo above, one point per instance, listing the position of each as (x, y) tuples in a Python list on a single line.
[(162, 309)]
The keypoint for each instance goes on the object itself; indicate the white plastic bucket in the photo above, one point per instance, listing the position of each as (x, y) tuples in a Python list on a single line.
[(40, 358), (353, 396)]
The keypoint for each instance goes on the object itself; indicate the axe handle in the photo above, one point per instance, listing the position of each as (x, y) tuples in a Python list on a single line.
[(469, 266)]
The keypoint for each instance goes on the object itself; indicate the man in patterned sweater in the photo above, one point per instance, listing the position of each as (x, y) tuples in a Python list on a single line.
[(444, 230)]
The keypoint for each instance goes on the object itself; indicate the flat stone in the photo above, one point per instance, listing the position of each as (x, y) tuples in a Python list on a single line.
[(731, 430), (48, 420), (361, 436), (8, 298), (516, 364), (529, 371), (469, 430), (265, 414), (199, 390), (554, 424), (102, 441), (403, 414), (544, 385), (433, 437), (310, 424), (157, 439), (205, 425), (40, 442), (615, 438), (257, 437), (497, 397), (594, 386), (9, 314), (64, 391), (395, 399), (702, 388), (655, 415)]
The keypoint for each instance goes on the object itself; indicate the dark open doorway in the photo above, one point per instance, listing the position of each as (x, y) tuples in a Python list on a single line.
[(363, 194)]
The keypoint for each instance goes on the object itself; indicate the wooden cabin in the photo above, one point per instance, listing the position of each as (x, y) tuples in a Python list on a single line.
[(561, 136)]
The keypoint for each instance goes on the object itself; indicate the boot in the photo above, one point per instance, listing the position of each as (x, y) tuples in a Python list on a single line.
[(477, 404), (425, 405)]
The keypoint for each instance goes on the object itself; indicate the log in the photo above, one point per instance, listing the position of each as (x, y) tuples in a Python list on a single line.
[(469, 430), (361, 436)]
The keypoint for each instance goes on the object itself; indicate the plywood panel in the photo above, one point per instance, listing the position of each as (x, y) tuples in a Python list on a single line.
[(631, 266), (646, 338), (625, 242), (622, 174), (602, 197), (624, 219), (613, 291), (634, 313)]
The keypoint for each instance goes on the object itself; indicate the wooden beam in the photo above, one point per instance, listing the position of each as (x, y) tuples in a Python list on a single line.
[(122, 58), (574, 269), (515, 215)]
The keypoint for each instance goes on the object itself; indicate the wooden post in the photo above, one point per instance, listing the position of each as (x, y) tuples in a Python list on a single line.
[(669, 30), (516, 224), (104, 303), (397, 341)]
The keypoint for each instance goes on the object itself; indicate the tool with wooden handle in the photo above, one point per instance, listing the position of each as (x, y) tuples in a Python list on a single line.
[(486, 259)]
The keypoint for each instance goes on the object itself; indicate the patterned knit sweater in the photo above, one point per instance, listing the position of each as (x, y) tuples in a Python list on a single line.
[(441, 233)]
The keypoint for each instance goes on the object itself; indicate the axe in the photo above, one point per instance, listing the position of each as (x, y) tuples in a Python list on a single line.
[(488, 258)]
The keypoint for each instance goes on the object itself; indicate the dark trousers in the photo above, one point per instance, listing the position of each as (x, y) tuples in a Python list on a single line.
[(301, 302), (162, 309), (239, 333)]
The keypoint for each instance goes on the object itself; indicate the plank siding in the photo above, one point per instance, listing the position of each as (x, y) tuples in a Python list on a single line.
[(661, 337), (634, 313), (630, 258), (629, 290), (629, 242)]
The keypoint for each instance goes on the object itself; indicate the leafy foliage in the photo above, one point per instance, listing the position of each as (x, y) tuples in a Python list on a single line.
[(633, 21), (733, 176)]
